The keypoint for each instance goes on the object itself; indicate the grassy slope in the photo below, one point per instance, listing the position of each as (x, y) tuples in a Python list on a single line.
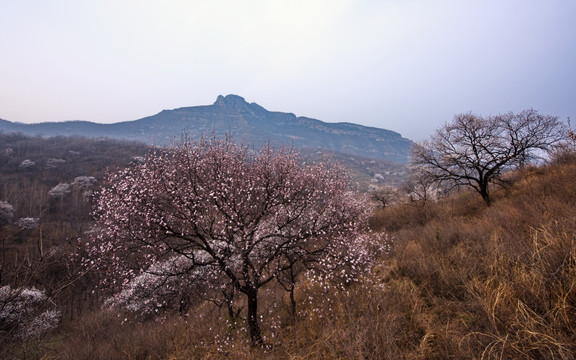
[(462, 281), (496, 282)]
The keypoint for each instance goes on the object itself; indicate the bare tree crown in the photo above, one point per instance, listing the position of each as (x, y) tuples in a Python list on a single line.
[(474, 151)]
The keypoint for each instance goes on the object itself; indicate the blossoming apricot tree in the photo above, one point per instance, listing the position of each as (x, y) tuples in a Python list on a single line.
[(212, 214)]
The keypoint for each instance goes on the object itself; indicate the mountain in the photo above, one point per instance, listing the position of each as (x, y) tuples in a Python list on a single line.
[(247, 122)]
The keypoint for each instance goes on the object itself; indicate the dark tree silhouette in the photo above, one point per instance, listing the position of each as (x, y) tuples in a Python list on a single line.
[(475, 151)]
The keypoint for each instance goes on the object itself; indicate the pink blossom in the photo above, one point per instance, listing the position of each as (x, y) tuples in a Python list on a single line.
[(213, 219)]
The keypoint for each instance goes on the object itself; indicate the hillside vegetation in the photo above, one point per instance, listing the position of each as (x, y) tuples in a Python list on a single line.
[(459, 280), (496, 282)]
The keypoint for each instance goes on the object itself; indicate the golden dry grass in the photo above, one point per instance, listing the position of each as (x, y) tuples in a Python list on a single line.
[(463, 281)]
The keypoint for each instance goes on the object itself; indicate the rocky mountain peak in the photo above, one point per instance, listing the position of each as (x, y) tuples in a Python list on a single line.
[(231, 101), (248, 122)]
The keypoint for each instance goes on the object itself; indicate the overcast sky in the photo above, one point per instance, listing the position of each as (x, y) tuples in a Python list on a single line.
[(403, 65)]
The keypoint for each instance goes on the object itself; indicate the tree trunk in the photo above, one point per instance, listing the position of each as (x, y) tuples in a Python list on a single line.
[(485, 194), (292, 299), (252, 318), (292, 302), (229, 299)]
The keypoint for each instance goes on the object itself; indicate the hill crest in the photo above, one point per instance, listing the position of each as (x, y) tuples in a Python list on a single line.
[(247, 122)]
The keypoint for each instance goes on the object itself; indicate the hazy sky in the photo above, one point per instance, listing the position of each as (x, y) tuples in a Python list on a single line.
[(403, 65)]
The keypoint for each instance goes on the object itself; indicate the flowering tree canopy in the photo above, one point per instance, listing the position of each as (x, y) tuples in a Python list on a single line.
[(214, 214), (27, 223), (84, 182)]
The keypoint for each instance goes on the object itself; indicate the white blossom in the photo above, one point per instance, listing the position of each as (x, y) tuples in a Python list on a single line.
[(84, 182), (6, 212), (26, 312), (52, 163), (27, 163), (60, 190), (27, 223)]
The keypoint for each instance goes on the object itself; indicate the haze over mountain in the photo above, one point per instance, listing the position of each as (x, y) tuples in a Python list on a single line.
[(247, 122)]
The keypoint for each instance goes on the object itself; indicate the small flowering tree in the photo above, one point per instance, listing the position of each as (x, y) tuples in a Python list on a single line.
[(27, 223), (59, 190), (216, 216), (27, 163), (6, 212), (25, 312), (84, 182)]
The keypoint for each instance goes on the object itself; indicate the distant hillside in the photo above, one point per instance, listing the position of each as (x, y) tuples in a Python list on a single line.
[(248, 122)]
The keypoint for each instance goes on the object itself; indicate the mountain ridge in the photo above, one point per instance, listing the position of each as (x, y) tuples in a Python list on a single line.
[(247, 122)]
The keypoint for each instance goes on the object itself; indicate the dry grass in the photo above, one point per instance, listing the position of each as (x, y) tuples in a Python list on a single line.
[(463, 281), (104, 335), (502, 278)]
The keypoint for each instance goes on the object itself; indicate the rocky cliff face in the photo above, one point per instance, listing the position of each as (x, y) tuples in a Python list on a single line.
[(248, 122)]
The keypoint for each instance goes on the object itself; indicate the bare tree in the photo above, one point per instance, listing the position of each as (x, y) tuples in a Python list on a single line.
[(384, 196), (420, 188), (475, 151)]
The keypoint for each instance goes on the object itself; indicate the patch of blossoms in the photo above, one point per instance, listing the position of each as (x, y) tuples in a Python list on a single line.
[(27, 163), (84, 182), (59, 190), (138, 159), (6, 212), (27, 223), (352, 262), (53, 163), (26, 312), (156, 290)]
